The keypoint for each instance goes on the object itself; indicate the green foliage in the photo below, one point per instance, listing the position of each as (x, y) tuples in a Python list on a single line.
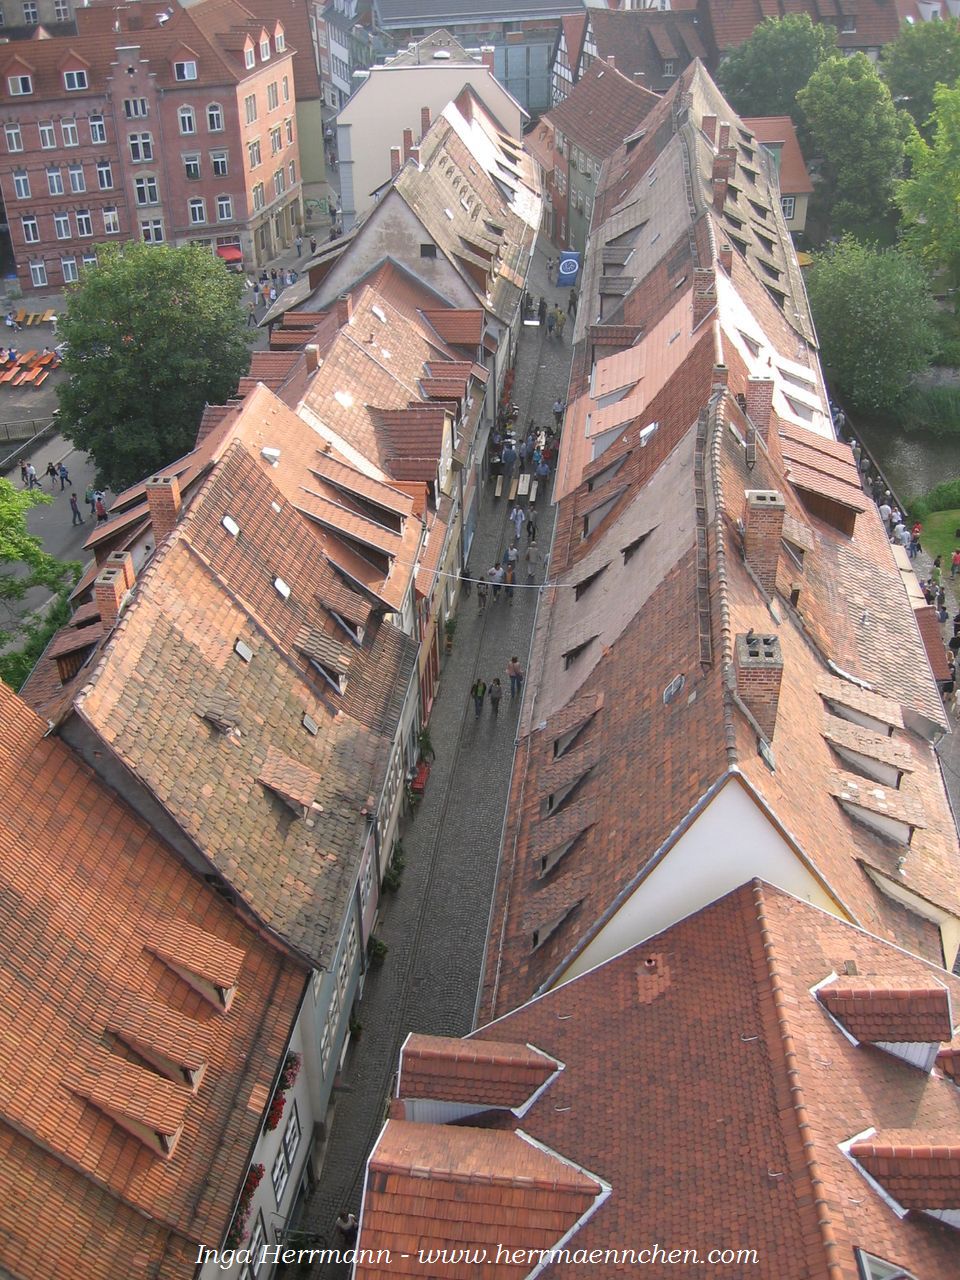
[(859, 136), (376, 951), (425, 742), (874, 318), (945, 497), (948, 339), (934, 409), (154, 334), (764, 75), (16, 664), (928, 198), (924, 54), (939, 530), (29, 565)]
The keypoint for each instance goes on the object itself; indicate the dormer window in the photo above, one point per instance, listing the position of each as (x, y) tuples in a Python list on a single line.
[(73, 80), (872, 1268), (280, 42), (185, 70), (584, 585), (249, 58), (18, 86), (849, 25), (571, 655), (265, 50)]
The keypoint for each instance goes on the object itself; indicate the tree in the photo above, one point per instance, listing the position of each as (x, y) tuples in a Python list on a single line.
[(29, 565), (153, 334), (763, 76), (930, 198), (874, 317), (859, 135), (922, 56)]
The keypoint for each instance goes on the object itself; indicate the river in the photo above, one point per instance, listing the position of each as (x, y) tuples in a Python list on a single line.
[(913, 461)]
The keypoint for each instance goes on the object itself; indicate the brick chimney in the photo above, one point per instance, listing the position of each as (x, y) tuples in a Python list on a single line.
[(704, 294), (108, 591), (921, 1171), (725, 257), (311, 355), (415, 155), (730, 155), (611, 60), (396, 161), (720, 186), (720, 375), (424, 120), (487, 53), (123, 561), (762, 529), (723, 136), (344, 310), (758, 664), (163, 498), (709, 126), (407, 143), (759, 404)]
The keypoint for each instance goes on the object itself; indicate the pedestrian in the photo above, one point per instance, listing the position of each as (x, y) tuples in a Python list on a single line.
[(542, 312), (510, 557), (496, 693), (90, 498), (313, 244), (550, 270), (558, 408), (531, 526), (75, 509), (23, 472), (915, 546), (561, 320), (551, 322), (515, 672), (572, 304), (299, 243), (347, 1227), (251, 315), (955, 563), (509, 579), (936, 573), (532, 557), (64, 476), (886, 511), (508, 458), (496, 580), (52, 473), (101, 510), (273, 294), (516, 519), (33, 480), (478, 692), (481, 596)]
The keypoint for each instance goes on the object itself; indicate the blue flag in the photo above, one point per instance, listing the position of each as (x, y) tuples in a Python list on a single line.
[(568, 273)]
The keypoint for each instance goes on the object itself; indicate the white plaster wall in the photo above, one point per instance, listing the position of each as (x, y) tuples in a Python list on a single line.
[(729, 843)]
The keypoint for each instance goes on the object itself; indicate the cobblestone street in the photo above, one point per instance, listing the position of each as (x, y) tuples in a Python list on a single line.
[(435, 926)]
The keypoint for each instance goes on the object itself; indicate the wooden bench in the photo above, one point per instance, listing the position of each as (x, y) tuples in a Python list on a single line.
[(498, 491), (533, 491), (9, 374), (33, 317), (29, 375), (523, 488), (47, 359), (513, 488), (20, 314), (48, 315), (28, 357), (41, 379)]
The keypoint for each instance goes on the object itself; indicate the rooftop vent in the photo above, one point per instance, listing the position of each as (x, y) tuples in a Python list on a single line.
[(763, 527), (230, 525), (270, 455), (758, 666)]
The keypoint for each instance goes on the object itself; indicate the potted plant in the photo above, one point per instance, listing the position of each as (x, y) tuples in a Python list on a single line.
[(450, 630), (376, 951)]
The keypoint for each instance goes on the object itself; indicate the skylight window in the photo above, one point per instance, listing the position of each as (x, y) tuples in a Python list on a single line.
[(343, 398), (310, 725), (674, 689), (243, 651), (281, 588), (230, 525), (449, 213), (647, 433), (379, 313)]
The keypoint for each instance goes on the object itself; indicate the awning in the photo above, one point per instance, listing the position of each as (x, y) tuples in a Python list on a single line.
[(229, 253)]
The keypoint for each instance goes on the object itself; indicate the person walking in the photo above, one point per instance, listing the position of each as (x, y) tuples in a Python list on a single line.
[(551, 322), (75, 509), (516, 519), (23, 472), (561, 320), (515, 672), (251, 315), (509, 580), (496, 575), (299, 243), (508, 459), (572, 304), (542, 312), (955, 563), (481, 596), (478, 691), (64, 477), (532, 524), (90, 498), (496, 693), (101, 509), (558, 408), (33, 480), (347, 1227), (53, 474), (936, 573), (313, 244), (532, 558)]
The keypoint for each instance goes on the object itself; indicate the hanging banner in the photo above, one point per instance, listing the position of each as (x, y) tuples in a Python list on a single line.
[(568, 273)]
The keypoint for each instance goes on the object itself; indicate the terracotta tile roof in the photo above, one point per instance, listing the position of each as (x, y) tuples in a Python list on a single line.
[(732, 982), (91, 897), (642, 40), (893, 1009), (461, 328), (601, 108), (876, 23), (780, 132), (482, 1073), (921, 1171), (932, 636)]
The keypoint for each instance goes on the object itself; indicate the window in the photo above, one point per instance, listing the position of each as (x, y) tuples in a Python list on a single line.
[(291, 1135), (30, 13), (17, 86), (257, 1248), (141, 147), (135, 108), (273, 97), (55, 182), (571, 655), (111, 222), (259, 199), (185, 70), (21, 184), (191, 166), (61, 11), (428, 251), (31, 229), (849, 24), (668, 67), (253, 150), (224, 208), (198, 212), (293, 173), (279, 1175), (71, 135), (84, 222), (265, 50), (249, 59), (90, 258), (215, 117), (98, 132), (279, 42), (219, 161), (3, 21), (288, 125), (250, 107), (78, 183), (279, 182), (789, 206), (286, 88), (145, 190), (61, 226), (872, 1268), (187, 120), (13, 136), (73, 80), (584, 585), (152, 231), (276, 141), (38, 275), (105, 175), (69, 268)]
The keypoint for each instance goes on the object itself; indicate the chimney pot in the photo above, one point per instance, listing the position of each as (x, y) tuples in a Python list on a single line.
[(312, 356), (709, 126), (759, 404), (415, 155), (762, 529), (108, 591), (487, 53), (163, 499), (726, 257), (424, 120), (730, 155), (719, 193), (611, 60), (704, 294), (344, 310), (123, 561), (758, 664), (720, 375), (407, 143), (396, 161), (723, 135)]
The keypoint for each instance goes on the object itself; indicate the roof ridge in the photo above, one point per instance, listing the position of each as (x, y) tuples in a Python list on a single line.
[(835, 1270), (711, 464)]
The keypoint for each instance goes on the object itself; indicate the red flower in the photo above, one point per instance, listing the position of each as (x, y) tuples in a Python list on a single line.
[(276, 1109)]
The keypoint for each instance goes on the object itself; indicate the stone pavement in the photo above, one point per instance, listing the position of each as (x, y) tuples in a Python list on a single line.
[(435, 926)]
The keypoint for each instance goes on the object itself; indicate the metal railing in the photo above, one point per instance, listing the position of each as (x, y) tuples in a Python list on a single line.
[(14, 432)]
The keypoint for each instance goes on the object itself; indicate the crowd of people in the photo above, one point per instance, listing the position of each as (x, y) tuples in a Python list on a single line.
[(58, 473)]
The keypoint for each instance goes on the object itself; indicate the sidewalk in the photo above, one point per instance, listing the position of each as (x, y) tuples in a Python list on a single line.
[(435, 926)]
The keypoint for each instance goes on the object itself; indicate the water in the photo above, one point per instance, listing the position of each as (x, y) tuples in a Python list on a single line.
[(913, 461)]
